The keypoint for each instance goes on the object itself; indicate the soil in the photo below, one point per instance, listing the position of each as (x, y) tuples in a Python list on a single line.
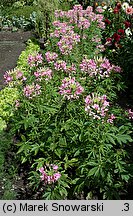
[(11, 46)]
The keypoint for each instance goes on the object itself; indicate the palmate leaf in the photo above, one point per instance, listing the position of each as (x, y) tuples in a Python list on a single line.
[(110, 138), (123, 138)]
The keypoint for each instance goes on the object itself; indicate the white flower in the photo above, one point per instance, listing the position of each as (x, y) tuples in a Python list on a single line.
[(104, 7), (128, 32), (110, 9), (124, 6)]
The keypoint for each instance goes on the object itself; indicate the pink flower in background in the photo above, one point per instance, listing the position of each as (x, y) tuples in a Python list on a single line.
[(96, 68), (111, 119), (38, 58), (106, 64), (83, 23), (88, 66), (67, 42), (71, 69), (24, 78), (55, 167), (129, 10), (96, 39), (100, 47), (17, 103), (77, 8), (130, 114), (116, 68), (41, 169), (56, 176), (99, 10)]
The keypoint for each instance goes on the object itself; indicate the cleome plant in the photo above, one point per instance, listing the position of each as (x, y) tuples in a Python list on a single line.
[(67, 122)]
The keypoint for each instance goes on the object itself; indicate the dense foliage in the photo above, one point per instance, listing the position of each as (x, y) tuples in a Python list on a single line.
[(61, 104), (66, 119)]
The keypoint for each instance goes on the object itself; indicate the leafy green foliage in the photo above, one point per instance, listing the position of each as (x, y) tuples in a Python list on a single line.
[(22, 60), (7, 99), (55, 129)]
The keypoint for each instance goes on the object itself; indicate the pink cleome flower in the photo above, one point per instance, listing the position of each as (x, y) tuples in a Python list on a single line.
[(51, 56), (96, 106), (49, 177), (130, 114), (111, 118), (35, 59), (70, 88), (43, 73), (60, 65), (31, 91), (8, 78), (94, 68)]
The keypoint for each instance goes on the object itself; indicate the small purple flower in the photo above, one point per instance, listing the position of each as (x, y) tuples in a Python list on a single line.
[(19, 74), (130, 114)]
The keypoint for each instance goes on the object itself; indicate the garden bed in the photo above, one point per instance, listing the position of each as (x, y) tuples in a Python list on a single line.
[(70, 132)]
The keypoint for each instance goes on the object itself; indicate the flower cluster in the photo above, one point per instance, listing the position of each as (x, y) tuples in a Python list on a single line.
[(68, 38), (130, 114), (62, 28), (70, 88), (60, 65), (51, 56), (82, 18), (79, 18), (13, 75), (67, 42), (96, 106), (111, 118), (49, 176), (127, 8), (83, 23), (7, 77), (31, 91), (35, 59), (98, 67), (124, 10), (43, 72)]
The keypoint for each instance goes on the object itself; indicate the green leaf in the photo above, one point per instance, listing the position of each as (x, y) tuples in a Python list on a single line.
[(75, 180), (123, 138), (77, 153), (58, 152), (92, 171), (125, 177), (110, 138)]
